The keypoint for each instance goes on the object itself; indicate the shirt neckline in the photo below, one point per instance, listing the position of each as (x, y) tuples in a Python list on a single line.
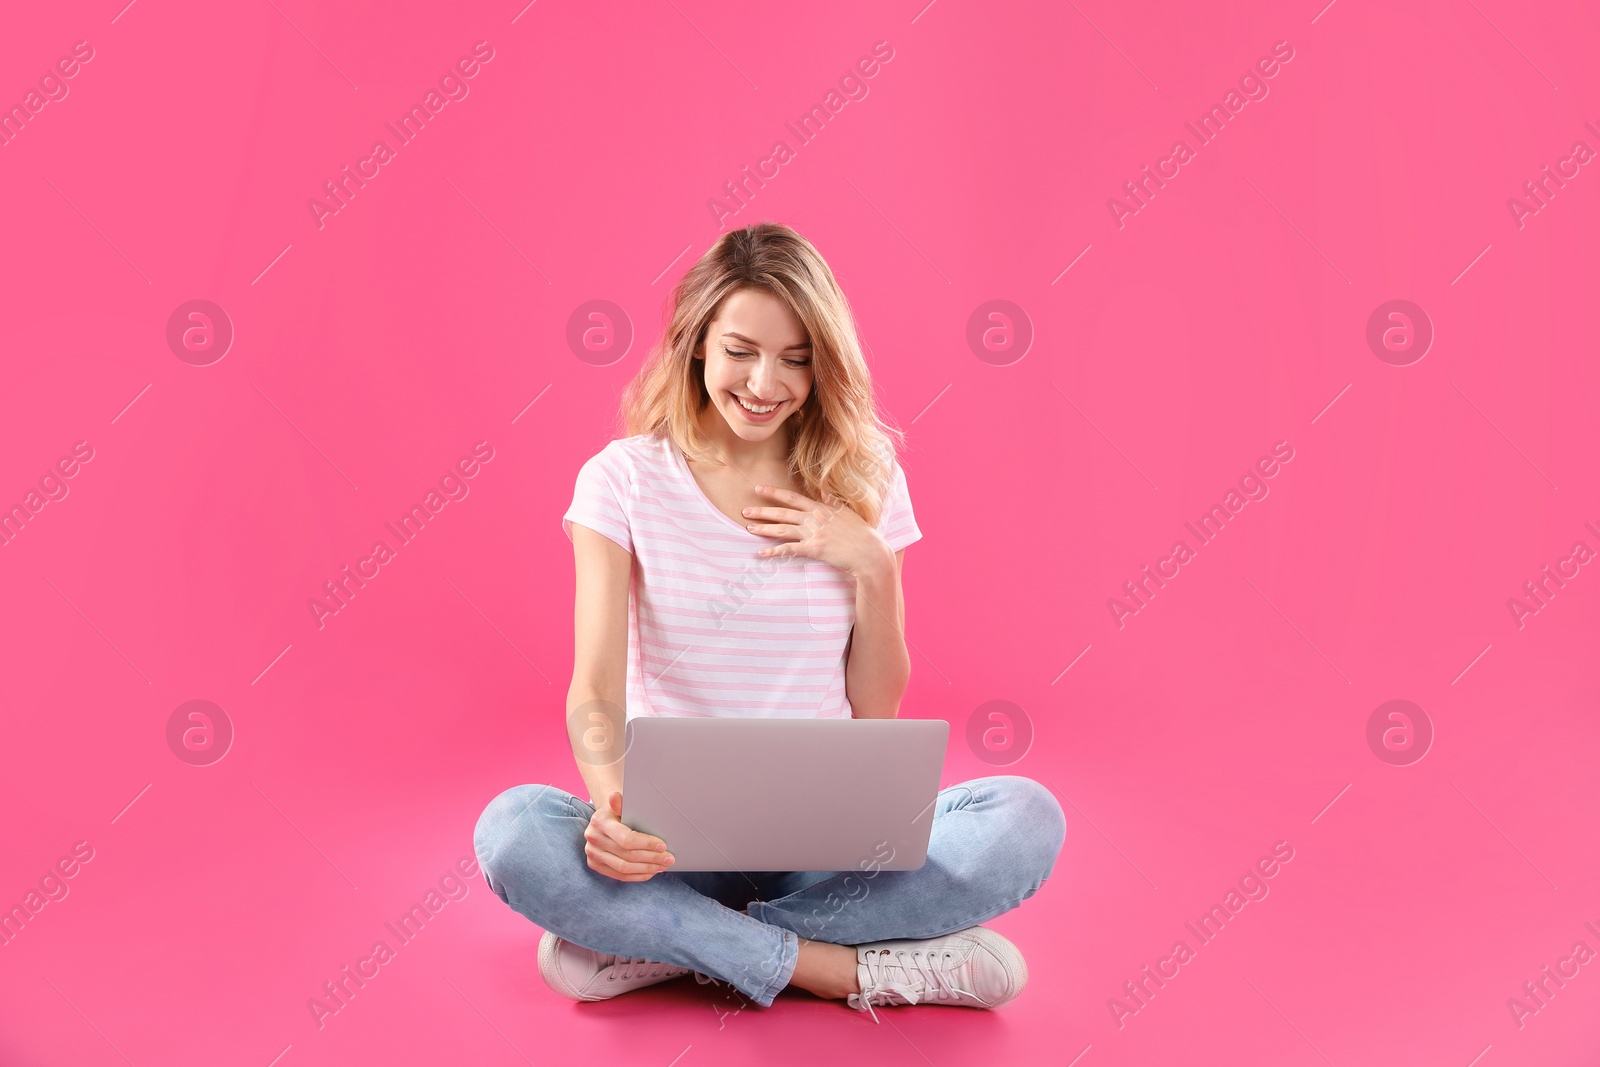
[(682, 462)]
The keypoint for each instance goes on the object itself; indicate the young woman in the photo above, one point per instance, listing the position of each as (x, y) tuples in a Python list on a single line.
[(740, 553)]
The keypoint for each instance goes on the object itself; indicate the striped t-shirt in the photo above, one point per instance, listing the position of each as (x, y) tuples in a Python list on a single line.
[(714, 629)]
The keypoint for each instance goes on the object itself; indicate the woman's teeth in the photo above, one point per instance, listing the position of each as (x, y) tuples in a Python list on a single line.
[(752, 408)]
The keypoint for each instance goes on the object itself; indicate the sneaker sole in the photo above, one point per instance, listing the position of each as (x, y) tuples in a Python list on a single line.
[(1010, 958)]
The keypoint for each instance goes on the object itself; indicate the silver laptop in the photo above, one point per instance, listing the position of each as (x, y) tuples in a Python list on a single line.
[(785, 794)]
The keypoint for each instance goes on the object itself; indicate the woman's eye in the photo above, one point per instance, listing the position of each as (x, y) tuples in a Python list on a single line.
[(738, 353)]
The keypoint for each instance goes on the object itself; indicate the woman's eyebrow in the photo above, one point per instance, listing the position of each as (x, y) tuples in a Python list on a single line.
[(797, 346)]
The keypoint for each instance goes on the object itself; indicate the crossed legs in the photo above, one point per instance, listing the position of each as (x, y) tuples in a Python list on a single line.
[(993, 843)]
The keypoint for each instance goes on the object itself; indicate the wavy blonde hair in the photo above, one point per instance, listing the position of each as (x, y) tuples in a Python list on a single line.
[(840, 447)]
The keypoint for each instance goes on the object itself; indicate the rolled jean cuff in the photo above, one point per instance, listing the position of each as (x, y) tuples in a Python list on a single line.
[(787, 956)]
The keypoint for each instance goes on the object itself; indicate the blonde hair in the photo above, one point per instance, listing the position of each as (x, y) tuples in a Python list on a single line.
[(840, 447)]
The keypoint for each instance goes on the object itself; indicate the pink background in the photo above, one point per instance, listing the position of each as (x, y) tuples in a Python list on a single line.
[(1225, 316)]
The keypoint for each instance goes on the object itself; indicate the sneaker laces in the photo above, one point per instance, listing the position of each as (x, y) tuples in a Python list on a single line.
[(926, 977), (625, 967)]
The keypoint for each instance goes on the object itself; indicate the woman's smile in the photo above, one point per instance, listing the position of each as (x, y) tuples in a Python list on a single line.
[(757, 412)]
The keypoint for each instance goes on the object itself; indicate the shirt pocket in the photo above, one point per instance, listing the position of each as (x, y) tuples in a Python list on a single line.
[(830, 597)]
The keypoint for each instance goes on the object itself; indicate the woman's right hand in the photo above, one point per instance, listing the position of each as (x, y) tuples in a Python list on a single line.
[(616, 851)]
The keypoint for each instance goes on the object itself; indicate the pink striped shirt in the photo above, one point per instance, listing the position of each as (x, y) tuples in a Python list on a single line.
[(713, 628)]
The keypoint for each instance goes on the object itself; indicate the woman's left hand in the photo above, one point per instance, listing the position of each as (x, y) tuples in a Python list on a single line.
[(829, 532)]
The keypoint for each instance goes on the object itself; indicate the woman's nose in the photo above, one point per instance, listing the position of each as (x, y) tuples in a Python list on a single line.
[(762, 378)]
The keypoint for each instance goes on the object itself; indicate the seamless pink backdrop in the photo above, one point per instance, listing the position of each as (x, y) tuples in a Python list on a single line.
[(1171, 348)]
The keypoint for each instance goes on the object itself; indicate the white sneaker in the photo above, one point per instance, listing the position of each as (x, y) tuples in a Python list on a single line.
[(583, 974), (975, 968)]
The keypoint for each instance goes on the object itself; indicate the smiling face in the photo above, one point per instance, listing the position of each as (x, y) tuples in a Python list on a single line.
[(757, 363)]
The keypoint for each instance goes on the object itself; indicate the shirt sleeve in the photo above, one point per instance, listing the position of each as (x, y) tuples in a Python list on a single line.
[(899, 523), (599, 499)]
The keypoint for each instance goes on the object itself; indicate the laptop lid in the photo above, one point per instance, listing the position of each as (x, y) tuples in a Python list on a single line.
[(785, 794)]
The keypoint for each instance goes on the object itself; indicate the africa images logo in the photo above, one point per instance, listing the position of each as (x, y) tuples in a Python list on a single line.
[(452, 84), (1252, 87), (1141, 590)]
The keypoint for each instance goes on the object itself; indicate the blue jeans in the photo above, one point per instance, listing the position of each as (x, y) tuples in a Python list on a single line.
[(994, 842)]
